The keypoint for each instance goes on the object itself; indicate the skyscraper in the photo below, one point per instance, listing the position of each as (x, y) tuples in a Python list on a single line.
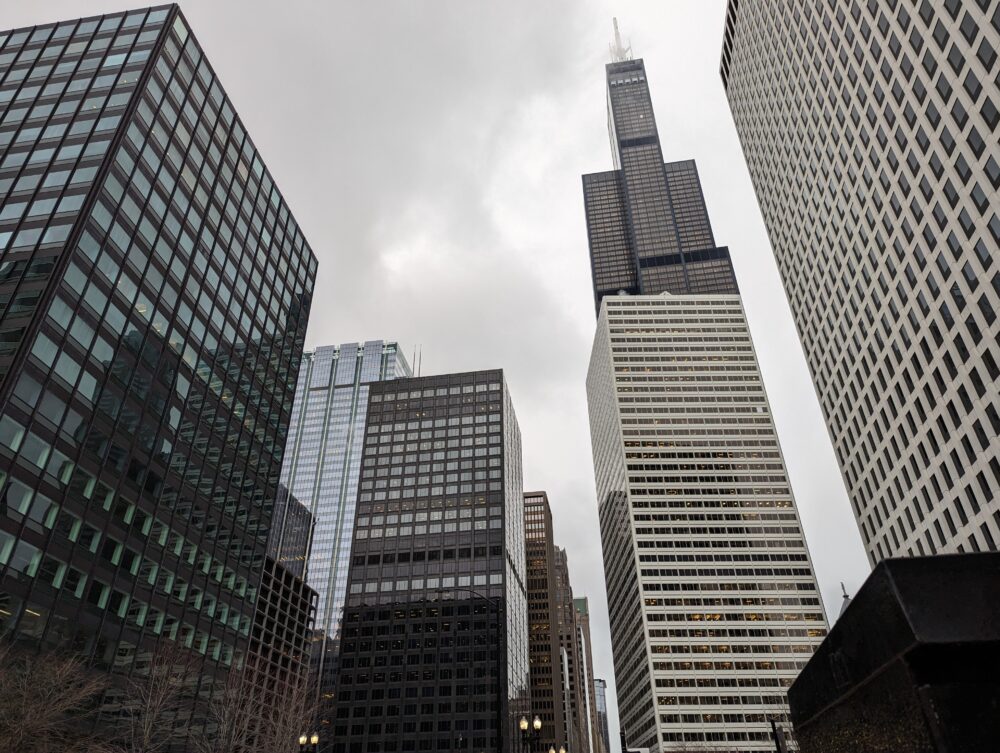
[(564, 626), (434, 653), (545, 655), (321, 468), (871, 134), (586, 701), (559, 639), (280, 640), (601, 700), (713, 602), (156, 290), (647, 224)]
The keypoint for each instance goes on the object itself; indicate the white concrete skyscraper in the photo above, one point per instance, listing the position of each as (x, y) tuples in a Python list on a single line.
[(872, 135), (712, 599)]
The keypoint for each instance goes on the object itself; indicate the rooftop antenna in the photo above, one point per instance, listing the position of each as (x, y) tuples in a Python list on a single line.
[(847, 599), (420, 363), (619, 51)]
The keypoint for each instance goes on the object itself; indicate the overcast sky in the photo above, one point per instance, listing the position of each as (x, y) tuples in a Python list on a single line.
[(432, 153)]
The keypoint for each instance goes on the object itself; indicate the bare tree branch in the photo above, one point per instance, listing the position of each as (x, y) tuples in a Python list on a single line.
[(253, 714), (48, 703), (157, 699)]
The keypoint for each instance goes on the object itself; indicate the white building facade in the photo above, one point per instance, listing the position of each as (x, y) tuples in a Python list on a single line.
[(872, 135), (713, 602)]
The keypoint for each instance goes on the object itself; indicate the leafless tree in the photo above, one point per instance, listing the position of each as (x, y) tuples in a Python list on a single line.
[(289, 711), (231, 711), (48, 703), (250, 714), (157, 699)]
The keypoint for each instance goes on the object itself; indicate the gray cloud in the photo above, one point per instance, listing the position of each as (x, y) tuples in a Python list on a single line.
[(432, 154)]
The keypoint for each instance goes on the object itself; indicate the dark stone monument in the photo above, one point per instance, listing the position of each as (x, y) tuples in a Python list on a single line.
[(912, 665)]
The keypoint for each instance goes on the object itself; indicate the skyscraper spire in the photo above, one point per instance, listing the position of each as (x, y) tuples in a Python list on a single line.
[(847, 599), (619, 52)]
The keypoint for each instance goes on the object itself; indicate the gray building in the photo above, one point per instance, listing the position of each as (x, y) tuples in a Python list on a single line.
[(321, 468), (155, 290), (434, 653), (870, 132), (712, 599)]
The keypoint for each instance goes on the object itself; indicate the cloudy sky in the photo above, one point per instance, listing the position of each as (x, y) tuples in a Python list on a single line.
[(432, 153)]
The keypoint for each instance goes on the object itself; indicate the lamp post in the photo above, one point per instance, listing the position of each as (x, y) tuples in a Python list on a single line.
[(309, 743), (530, 733)]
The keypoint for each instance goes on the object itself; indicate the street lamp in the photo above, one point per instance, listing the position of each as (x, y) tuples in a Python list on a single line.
[(530, 732), (309, 743)]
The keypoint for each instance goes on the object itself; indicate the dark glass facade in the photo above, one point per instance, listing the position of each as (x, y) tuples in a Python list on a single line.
[(647, 223), (156, 290), (434, 654), (281, 639)]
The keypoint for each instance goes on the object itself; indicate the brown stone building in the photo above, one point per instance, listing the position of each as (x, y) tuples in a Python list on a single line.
[(561, 669), (543, 637)]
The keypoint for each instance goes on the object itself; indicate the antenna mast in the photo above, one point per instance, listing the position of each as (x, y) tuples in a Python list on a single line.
[(619, 52)]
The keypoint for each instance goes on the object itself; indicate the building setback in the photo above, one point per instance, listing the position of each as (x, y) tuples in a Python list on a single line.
[(712, 598), (647, 224), (871, 135), (322, 466), (156, 290), (434, 654)]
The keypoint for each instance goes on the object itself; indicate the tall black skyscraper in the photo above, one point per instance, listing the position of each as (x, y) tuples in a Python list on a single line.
[(646, 221), (434, 651), (154, 291)]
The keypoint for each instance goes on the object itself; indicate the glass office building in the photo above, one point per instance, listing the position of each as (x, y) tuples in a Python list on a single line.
[(155, 290), (712, 598), (872, 135), (434, 653), (280, 640), (321, 468), (601, 700)]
